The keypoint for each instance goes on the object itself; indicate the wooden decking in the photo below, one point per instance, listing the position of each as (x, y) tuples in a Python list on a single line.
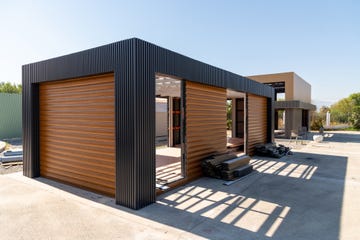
[(168, 165)]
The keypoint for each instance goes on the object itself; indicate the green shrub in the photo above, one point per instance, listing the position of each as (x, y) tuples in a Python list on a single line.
[(316, 122), (355, 118)]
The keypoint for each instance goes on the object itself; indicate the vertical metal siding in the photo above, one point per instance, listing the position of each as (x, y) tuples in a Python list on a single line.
[(187, 68), (10, 115), (270, 119), (246, 125), (144, 125), (205, 125), (30, 125), (134, 63), (124, 109)]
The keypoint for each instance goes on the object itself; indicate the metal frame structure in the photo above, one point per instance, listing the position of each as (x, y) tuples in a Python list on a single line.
[(296, 102), (134, 63)]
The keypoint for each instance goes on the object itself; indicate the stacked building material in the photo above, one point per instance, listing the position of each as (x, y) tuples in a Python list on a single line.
[(272, 150), (11, 156), (227, 166)]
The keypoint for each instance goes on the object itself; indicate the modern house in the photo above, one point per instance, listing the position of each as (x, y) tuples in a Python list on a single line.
[(294, 102), (89, 118)]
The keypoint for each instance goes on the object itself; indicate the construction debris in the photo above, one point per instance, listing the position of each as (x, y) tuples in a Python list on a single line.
[(11, 156), (272, 150), (226, 166), (2, 146)]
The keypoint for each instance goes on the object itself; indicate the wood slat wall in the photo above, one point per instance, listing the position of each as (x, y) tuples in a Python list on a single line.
[(77, 132), (257, 121), (205, 125)]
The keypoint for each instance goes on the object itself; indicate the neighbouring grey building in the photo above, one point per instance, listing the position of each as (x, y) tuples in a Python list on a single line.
[(295, 105)]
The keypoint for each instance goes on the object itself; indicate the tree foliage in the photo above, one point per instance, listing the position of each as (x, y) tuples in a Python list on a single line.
[(317, 121), (341, 111), (322, 112), (347, 110), (10, 88), (318, 118), (229, 114), (355, 110)]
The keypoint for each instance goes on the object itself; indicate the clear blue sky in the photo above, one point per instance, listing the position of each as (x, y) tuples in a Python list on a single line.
[(318, 39)]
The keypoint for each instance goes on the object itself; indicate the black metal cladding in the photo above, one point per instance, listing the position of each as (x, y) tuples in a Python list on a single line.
[(134, 63), (270, 117), (294, 104)]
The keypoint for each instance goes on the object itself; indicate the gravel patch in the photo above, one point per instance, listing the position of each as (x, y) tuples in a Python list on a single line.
[(6, 168)]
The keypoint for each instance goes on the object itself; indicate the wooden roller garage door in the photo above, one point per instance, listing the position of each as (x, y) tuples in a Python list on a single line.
[(205, 125), (257, 122), (77, 132)]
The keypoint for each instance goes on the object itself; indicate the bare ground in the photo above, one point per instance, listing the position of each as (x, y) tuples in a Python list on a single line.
[(6, 168)]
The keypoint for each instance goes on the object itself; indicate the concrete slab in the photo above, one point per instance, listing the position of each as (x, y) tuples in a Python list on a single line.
[(312, 194)]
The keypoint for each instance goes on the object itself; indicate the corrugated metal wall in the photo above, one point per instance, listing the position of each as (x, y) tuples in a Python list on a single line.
[(205, 125), (134, 63), (10, 115), (77, 132), (135, 181), (294, 104), (257, 122)]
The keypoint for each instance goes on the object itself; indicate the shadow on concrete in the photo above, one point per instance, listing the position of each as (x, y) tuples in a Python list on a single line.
[(295, 197), (329, 136), (341, 137)]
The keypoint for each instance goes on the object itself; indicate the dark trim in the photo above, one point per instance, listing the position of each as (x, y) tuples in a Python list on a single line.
[(294, 104), (36, 125), (183, 129), (134, 63), (31, 147), (270, 117), (246, 132)]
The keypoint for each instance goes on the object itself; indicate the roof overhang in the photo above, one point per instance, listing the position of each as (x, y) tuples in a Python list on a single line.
[(294, 104)]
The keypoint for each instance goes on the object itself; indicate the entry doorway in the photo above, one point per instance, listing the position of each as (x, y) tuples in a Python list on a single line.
[(279, 130), (305, 119), (236, 121), (169, 137)]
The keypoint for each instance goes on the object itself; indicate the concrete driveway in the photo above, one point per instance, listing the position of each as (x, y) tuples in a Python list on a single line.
[(313, 194)]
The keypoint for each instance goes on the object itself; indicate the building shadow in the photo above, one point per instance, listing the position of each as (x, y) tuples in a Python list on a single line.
[(295, 197), (329, 136), (341, 137)]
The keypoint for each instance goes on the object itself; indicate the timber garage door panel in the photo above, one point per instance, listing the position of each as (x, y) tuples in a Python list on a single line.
[(77, 132), (205, 125), (257, 121)]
